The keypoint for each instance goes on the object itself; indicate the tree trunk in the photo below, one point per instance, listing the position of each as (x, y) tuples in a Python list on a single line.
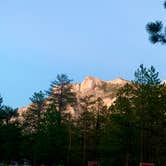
[(127, 159), (69, 146), (141, 147), (84, 146)]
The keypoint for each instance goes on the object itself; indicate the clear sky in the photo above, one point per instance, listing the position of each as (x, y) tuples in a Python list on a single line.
[(103, 38)]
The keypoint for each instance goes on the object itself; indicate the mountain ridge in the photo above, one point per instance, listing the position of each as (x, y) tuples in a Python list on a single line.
[(97, 87)]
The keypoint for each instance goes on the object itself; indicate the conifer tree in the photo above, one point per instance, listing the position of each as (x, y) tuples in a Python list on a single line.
[(35, 112), (140, 109), (60, 96), (156, 30), (86, 124), (60, 93)]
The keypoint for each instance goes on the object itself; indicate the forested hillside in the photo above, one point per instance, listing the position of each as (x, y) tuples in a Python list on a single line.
[(132, 129)]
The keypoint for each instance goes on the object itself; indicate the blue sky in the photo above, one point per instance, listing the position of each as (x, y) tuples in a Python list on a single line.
[(41, 38)]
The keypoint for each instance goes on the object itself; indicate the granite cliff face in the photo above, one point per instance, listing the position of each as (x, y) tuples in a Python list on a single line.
[(98, 88), (94, 86)]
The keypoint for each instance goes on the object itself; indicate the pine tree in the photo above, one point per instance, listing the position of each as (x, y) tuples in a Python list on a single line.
[(60, 93), (60, 96), (140, 112), (86, 123), (35, 112), (156, 30)]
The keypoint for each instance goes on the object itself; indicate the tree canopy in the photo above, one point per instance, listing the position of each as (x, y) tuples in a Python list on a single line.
[(130, 131)]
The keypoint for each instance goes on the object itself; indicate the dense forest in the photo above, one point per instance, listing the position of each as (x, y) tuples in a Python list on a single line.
[(130, 131)]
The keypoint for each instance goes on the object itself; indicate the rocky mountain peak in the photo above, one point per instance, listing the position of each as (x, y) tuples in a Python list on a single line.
[(106, 90), (164, 82), (89, 83)]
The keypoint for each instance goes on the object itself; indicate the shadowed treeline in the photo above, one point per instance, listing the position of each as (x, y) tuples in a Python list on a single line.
[(132, 130)]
